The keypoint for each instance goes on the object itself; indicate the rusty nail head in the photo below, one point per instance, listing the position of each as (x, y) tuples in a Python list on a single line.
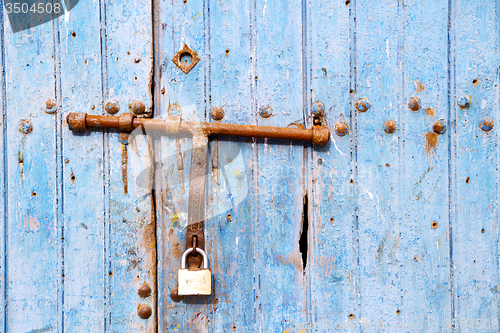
[(112, 107), (318, 109), (390, 126), (217, 113), (265, 111), (123, 138), (174, 110), (138, 107), (362, 105), (464, 102), (415, 104), (25, 126), (174, 295), (439, 127), (144, 290), (144, 311), (486, 124), (50, 106), (341, 129), (186, 59)]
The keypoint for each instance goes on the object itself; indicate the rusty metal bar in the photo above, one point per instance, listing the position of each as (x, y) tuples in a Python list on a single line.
[(127, 122)]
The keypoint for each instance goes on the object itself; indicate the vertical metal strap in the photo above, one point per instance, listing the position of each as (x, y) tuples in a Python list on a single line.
[(197, 179), (197, 188)]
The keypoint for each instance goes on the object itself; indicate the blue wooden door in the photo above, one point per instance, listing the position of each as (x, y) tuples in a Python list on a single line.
[(392, 226)]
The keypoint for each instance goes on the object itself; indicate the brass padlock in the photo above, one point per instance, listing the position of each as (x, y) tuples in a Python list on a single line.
[(195, 281)]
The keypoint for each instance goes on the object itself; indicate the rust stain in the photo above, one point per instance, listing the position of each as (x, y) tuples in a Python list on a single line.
[(20, 159), (72, 177), (177, 251), (149, 244), (419, 86), (431, 141), (124, 168), (430, 112), (174, 109)]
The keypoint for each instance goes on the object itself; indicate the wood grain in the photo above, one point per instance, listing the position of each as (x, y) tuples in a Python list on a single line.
[(474, 211), (31, 218), (402, 228)]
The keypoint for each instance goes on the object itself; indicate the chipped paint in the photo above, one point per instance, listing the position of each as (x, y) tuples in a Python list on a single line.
[(419, 87), (31, 223)]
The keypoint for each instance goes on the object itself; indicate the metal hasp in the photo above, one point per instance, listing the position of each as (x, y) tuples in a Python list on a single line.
[(127, 122), (195, 281)]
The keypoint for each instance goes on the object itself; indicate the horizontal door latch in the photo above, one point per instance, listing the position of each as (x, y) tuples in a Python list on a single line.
[(128, 122), (192, 279)]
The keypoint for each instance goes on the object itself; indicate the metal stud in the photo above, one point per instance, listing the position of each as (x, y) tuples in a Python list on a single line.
[(112, 107), (25, 126), (174, 295), (390, 126), (265, 111), (486, 124), (186, 59), (174, 110), (217, 113), (439, 127), (318, 109), (144, 311), (138, 107), (123, 138), (464, 102), (50, 106), (362, 105), (144, 290), (341, 129), (414, 104)]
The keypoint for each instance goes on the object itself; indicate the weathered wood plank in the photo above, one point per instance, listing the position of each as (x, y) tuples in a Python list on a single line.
[(32, 237), (278, 166), (474, 228), (132, 244), (84, 181), (379, 172), (332, 265), (179, 22), (229, 227), (425, 279)]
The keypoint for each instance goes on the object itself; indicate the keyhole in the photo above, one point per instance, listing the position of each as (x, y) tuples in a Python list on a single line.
[(186, 58)]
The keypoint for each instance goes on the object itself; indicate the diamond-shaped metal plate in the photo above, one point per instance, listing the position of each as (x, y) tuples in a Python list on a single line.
[(186, 59)]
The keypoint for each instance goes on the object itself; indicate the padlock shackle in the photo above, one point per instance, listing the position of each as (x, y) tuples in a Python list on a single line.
[(188, 251)]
